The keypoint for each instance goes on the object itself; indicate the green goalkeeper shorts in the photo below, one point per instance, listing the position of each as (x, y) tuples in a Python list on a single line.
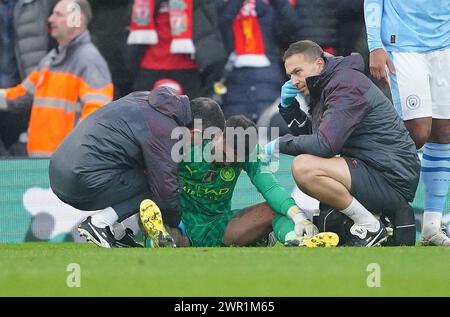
[(207, 230)]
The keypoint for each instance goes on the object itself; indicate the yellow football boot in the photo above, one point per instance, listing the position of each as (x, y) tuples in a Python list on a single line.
[(321, 240), (152, 222)]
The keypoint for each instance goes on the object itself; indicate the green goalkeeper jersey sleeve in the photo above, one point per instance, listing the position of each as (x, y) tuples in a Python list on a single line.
[(260, 173), (207, 187)]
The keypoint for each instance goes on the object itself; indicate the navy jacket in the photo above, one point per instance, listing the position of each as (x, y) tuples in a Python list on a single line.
[(351, 117)]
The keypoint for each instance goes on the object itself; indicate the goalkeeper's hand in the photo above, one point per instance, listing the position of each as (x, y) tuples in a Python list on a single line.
[(272, 148), (303, 227)]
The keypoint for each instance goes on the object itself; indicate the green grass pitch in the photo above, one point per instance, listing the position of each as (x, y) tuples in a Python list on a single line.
[(40, 269)]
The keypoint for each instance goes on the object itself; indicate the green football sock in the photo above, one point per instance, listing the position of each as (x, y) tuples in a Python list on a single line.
[(282, 226)]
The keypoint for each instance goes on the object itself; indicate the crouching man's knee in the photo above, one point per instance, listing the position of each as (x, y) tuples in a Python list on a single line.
[(304, 169)]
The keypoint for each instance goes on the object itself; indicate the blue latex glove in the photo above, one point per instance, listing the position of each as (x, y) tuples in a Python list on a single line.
[(271, 148), (288, 93)]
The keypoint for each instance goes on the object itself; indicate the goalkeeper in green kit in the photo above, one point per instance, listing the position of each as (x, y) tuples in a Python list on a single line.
[(208, 179)]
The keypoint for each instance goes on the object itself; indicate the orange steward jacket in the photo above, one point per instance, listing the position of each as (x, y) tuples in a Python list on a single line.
[(68, 85)]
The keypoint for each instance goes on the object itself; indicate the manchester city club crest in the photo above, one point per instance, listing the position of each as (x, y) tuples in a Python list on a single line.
[(227, 174), (413, 102)]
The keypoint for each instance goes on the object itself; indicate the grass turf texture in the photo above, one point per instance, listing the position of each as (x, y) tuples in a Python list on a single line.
[(40, 269)]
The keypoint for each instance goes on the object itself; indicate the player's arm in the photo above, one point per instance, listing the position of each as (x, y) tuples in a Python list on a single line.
[(378, 59), (277, 197), (20, 96), (265, 182), (373, 10)]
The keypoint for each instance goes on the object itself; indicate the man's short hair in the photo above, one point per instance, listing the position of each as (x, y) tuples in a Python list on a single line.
[(240, 121), (208, 111), (85, 9), (310, 49)]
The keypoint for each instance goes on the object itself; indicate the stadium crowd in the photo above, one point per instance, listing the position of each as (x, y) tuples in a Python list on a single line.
[(136, 63), (63, 61)]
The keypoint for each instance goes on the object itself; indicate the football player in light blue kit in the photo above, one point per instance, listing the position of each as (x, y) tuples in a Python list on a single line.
[(412, 38)]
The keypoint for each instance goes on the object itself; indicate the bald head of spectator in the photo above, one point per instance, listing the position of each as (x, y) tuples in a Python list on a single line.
[(69, 19)]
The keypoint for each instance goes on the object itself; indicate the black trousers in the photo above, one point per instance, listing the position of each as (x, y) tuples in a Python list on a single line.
[(123, 192)]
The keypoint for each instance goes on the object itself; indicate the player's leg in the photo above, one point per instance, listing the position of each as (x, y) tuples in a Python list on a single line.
[(411, 94), (242, 227), (435, 174), (283, 229), (436, 152), (411, 88), (249, 225), (181, 240), (245, 227), (331, 182)]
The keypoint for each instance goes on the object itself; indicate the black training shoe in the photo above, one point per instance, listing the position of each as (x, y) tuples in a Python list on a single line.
[(102, 237), (361, 237), (128, 240)]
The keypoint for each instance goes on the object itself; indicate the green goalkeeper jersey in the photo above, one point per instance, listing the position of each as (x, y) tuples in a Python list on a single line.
[(207, 187)]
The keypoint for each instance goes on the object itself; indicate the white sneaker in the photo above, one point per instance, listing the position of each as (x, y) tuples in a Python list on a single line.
[(438, 239)]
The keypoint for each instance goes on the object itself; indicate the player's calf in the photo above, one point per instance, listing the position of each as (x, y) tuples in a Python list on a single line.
[(249, 225)]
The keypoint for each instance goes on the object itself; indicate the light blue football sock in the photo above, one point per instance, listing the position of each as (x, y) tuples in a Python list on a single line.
[(435, 173)]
